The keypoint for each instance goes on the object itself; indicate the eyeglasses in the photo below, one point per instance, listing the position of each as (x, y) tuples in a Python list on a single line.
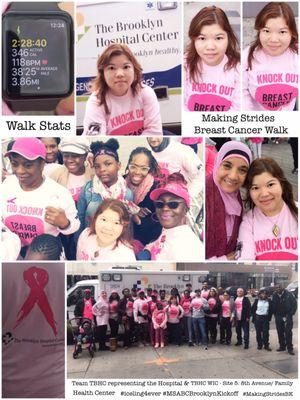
[(136, 168), (171, 204)]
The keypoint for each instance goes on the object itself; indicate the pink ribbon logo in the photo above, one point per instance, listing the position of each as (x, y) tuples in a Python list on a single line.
[(36, 279)]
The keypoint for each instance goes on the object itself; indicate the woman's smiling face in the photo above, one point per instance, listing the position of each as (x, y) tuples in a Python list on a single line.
[(231, 174), (171, 217)]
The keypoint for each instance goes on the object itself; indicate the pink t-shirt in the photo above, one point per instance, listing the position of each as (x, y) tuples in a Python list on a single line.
[(23, 212), (129, 308), (226, 313), (159, 316), (272, 83), (128, 115), (205, 293), (89, 250), (239, 307), (75, 184), (33, 330), (174, 313), (186, 304), (212, 302), (87, 310), (216, 89), (260, 243)]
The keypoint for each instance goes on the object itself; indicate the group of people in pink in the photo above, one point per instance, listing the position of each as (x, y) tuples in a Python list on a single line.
[(148, 317), (66, 199), (251, 213), (268, 68)]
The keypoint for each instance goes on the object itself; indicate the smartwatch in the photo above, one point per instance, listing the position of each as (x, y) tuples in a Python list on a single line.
[(37, 54)]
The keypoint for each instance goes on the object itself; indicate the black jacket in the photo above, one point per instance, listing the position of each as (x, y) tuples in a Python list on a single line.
[(150, 228), (246, 309), (284, 305), (254, 308)]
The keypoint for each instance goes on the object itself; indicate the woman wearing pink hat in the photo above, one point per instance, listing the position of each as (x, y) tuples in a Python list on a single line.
[(33, 204), (177, 240), (223, 205)]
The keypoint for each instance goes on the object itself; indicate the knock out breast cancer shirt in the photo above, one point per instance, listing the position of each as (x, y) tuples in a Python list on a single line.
[(258, 240), (33, 330), (130, 114), (272, 82), (226, 312), (216, 89), (23, 212)]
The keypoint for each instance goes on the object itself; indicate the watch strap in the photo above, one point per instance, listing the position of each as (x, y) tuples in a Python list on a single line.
[(34, 6), (33, 105)]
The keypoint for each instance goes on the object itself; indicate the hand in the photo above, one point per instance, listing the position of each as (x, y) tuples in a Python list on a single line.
[(56, 217), (231, 256), (144, 211), (136, 219)]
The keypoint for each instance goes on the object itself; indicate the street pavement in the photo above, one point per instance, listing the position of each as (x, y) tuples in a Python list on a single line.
[(219, 361), (282, 153)]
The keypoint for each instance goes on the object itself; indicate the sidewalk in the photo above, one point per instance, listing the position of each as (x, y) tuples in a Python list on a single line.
[(219, 361)]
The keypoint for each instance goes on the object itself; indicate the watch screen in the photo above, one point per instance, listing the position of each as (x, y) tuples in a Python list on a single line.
[(37, 56)]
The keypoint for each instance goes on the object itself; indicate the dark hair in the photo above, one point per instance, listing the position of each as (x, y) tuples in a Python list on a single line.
[(274, 10), (215, 291), (174, 297), (99, 84), (48, 245), (118, 207), (153, 164), (210, 16), (266, 164), (57, 139), (111, 147), (111, 298)]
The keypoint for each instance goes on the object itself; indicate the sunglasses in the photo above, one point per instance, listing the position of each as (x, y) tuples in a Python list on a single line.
[(171, 204)]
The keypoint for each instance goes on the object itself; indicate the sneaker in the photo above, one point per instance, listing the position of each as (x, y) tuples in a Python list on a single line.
[(259, 347), (162, 345), (205, 348), (268, 348), (191, 344), (295, 171), (291, 352), (246, 347), (238, 344), (156, 345)]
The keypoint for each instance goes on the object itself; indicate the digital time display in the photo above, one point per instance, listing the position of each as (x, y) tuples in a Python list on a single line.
[(36, 56)]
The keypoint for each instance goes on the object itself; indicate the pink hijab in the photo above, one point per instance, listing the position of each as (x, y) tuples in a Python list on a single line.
[(231, 149)]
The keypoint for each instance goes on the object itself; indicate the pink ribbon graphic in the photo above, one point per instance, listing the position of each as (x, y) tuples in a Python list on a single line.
[(37, 279)]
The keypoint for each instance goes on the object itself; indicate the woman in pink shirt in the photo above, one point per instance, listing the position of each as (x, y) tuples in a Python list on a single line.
[(223, 204), (175, 313), (212, 316), (120, 103), (159, 321), (212, 63), (101, 311), (226, 319), (271, 62), (113, 306), (269, 230)]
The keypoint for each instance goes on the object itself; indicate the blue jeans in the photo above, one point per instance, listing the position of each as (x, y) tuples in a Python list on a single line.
[(200, 330)]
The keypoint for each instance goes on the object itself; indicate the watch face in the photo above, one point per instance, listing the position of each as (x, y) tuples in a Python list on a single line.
[(37, 56)]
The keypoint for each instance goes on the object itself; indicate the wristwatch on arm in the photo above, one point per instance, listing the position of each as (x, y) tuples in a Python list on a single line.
[(37, 54)]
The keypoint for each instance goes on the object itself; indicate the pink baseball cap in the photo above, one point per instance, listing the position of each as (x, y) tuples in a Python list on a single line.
[(30, 148), (174, 188)]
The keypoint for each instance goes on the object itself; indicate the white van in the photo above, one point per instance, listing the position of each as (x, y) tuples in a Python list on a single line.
[(120, 279), (152, 30)]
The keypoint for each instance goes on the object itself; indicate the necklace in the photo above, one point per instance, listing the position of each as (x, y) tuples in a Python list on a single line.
[(275, 230)]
